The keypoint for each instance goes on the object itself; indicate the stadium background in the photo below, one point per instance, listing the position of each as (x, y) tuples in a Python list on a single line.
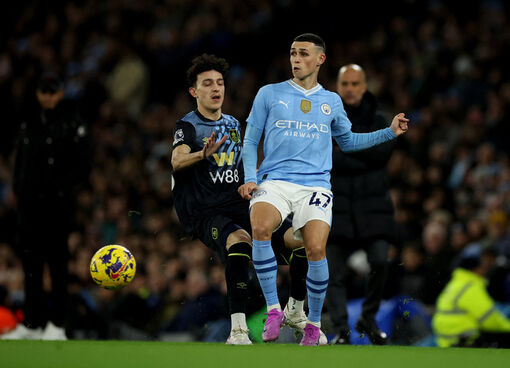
[(125, 62)]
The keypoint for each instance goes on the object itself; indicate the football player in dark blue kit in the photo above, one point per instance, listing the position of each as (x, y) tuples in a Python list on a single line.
[(208, 170)]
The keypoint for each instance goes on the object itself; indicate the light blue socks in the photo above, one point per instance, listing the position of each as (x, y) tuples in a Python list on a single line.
[(266, 267), (316, 283)]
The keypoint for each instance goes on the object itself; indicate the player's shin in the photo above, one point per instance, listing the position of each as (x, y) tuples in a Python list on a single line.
[(295, 316), (298, 270), (317, 283), (237, 276), (266, 267)]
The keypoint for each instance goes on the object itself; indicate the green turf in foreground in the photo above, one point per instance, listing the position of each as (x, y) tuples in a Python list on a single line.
[(125, 354)]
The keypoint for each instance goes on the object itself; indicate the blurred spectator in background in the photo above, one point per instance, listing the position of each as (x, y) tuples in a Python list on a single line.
[(438, 260), (498, 239), (52, 161), (128, 83), (465, 313), (362, 210), (203, 304), (413, 274), (498, 233)]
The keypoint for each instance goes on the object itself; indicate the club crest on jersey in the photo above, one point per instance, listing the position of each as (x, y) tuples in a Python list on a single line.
[(258, 193), (306, 106), (204, 140), (214, 233), (326, 109), (234, 137)]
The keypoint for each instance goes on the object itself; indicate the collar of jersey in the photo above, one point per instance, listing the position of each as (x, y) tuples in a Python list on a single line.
[(207, 120), (306, 92)]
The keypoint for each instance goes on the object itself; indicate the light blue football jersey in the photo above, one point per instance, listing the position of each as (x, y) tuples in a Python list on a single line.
[(298, 125)]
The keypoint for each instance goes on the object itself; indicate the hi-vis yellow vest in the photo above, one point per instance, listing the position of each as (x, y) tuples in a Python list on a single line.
[(464, 308)]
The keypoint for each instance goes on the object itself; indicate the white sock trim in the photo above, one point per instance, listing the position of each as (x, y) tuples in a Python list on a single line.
[(297, 304), (277, 306), (316, 324), (238, 321)]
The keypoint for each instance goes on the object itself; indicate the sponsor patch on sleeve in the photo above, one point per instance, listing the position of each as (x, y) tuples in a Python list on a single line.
[(178, 136)]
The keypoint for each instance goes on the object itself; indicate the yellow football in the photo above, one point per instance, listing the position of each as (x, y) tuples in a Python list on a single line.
[(113, 267)]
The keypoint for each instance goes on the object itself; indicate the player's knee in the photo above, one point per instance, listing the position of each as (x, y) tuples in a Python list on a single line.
[(291, 242), (240, 249), (315, 252), (238, 236), (261, 230)]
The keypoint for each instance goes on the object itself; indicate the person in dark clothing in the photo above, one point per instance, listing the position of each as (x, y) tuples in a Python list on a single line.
[(362, 210), (52, 161)]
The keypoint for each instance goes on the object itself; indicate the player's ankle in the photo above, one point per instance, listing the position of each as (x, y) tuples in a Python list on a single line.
[(316, 324), (274, 306), (294, 305), (238, 321)]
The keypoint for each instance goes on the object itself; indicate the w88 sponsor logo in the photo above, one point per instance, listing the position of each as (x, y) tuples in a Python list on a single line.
[(227, 176)]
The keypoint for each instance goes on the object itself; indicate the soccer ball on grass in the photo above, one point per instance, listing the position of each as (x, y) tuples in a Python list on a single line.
[(112, 267)]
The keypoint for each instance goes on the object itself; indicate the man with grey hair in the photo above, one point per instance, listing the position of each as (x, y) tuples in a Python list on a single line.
[(362, 210)]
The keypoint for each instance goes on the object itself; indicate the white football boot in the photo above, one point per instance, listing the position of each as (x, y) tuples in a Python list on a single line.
[(23, 333), (54, 333), (238, 337), (297, 319)]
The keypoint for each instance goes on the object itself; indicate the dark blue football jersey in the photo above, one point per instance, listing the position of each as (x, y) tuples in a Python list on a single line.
[(209, 186)]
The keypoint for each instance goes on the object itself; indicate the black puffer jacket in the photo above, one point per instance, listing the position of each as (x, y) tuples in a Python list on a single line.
[(362, 207)]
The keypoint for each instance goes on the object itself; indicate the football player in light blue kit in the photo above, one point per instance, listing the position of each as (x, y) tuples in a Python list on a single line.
[(298, 117)]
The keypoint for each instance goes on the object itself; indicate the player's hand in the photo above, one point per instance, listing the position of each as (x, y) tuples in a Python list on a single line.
[(246, 189), (399, 125), (212, 146)]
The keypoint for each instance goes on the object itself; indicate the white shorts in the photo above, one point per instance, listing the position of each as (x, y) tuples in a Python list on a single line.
[(306, 203)]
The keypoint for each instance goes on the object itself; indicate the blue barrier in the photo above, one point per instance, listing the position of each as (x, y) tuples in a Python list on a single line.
[(397, 307)]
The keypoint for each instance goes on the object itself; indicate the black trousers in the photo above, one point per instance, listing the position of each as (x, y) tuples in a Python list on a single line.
[(492, 340), (336, 301), (43, 231)]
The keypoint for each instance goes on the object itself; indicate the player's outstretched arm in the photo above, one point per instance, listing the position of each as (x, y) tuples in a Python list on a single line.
[(350, 142), (182, 156), (399, 124)]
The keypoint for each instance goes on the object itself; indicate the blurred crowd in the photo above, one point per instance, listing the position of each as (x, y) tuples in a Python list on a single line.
[(124, 63)]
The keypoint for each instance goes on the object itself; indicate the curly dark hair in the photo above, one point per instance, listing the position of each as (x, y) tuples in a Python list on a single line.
[(204, 63)]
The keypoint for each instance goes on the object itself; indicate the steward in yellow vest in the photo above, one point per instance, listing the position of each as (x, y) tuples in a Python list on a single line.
[(465, 313)]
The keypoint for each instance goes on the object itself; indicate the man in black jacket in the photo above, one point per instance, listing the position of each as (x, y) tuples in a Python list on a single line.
[(52, 160), (362, 210)]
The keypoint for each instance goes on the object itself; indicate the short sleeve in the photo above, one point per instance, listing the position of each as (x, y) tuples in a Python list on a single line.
[(184, 133), (259, 110)]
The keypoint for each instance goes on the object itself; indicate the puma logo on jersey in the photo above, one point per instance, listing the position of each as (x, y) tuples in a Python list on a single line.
[(286, 104)]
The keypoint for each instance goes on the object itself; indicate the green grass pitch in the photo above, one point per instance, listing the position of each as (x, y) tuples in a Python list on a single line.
[(125, 354)]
